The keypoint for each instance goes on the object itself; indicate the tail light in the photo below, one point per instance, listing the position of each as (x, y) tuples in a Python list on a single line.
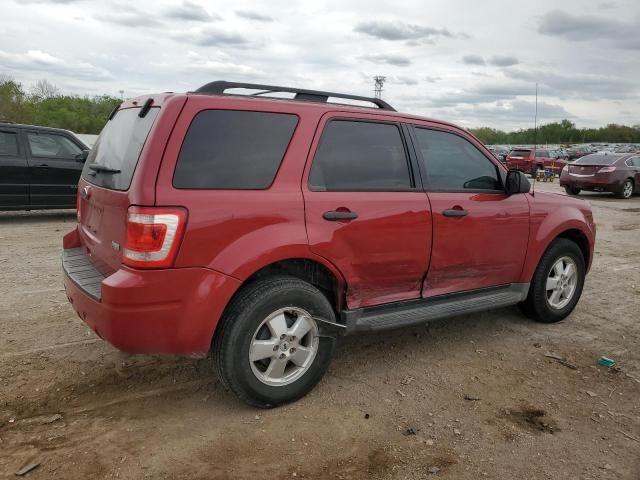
[(606, 169), (565, 169), (153, 236)]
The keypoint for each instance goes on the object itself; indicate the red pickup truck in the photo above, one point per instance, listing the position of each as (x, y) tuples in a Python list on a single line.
[(530, 160), (259, 230)]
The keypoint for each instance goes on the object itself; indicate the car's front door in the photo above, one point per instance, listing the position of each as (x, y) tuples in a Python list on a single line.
[(14, 173), (55, 164), (365, 212), (634, 165), (480, 234)]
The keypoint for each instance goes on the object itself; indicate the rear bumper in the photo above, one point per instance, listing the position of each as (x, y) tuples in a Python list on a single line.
[(172, 311), (590, 183)]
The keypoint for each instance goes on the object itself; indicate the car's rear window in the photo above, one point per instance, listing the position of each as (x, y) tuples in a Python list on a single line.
[(118, 148), (235, 150), (520, 153), (597, 160)]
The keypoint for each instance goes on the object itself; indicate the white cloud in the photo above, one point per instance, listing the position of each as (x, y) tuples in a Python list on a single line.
[(339, 45)]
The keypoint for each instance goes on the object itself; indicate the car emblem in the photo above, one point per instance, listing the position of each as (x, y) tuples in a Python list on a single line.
[(86, 193)]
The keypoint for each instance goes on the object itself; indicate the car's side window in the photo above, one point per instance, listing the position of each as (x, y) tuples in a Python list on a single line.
[(360, 155), (8, 144), (634, 161), (452, 163), (49, 145)]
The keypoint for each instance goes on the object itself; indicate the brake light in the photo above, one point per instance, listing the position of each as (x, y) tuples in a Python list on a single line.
[(606, 169), (153, 236)]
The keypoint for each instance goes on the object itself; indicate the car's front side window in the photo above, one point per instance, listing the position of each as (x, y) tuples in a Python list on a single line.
[(452, 163), (52, 146)]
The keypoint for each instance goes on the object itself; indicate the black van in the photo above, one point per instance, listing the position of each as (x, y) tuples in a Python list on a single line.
[(39, 167)]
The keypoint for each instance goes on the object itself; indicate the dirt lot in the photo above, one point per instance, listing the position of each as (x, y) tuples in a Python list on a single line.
[(470, 397)]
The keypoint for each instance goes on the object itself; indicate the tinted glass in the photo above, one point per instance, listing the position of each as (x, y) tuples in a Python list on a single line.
[(360, 156), (453, 163), (520, 153), (8, 143), (226, 149), (118, 147), (542, 154), (596, 159), (52, 146)]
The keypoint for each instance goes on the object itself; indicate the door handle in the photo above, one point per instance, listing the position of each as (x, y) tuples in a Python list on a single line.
[(455, 212), (333, 215)]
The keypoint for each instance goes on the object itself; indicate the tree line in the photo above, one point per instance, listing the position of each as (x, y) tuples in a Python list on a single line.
[(564, 132), (45, 105)]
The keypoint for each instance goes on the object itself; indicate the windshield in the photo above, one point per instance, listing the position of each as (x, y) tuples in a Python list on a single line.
[(115, 154)]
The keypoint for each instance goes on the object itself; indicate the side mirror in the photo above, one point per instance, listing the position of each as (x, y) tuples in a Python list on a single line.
[(81, 157), (516, 182)]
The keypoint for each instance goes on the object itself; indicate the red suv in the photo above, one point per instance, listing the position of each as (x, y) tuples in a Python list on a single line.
[(530, 160), (260, 229)]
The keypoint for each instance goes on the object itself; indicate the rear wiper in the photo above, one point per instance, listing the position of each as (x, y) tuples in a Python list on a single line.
[(103, 168)]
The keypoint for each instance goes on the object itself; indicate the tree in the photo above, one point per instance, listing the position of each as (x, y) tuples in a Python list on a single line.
[(12, 96), (44, 89)]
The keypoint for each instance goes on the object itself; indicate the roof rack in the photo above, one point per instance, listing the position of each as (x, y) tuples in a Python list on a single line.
[(219, 87)]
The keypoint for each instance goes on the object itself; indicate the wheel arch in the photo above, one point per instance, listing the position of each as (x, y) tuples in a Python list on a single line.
[(315, 271)]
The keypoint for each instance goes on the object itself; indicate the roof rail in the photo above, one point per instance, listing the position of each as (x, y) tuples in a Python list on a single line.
[(219, 87)]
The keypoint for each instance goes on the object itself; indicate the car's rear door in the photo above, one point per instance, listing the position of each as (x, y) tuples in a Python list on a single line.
[(55, 163), (480, 234), (365, 209), (14, 173)]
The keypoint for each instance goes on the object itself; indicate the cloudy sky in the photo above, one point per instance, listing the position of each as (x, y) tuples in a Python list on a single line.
[(472, 62)]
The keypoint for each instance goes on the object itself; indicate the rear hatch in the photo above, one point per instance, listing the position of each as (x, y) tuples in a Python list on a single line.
[(103, 193)]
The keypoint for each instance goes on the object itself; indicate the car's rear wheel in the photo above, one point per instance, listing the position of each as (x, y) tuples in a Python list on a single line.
[(557, 283), (268, 348), (626, 191), (571, 190)]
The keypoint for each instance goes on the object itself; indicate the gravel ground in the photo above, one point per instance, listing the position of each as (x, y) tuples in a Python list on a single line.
[(469, 397)]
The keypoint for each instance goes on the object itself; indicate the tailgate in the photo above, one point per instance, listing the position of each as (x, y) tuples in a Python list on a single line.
[(104, 196)]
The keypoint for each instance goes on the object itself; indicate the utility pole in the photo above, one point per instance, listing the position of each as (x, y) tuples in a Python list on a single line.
[(378, 84), (535, 123)]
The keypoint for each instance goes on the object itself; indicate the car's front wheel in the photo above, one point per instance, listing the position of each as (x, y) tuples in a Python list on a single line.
[(268, 348), (557, 283), (571, 190)]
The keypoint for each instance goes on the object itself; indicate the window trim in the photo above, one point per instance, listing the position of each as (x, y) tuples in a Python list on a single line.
[(422, 164), (18, 146), (56, 134), (275, 175), (413, 179), (630, 159)]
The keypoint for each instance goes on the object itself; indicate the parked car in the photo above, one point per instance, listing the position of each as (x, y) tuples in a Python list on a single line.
[(576, 152), (39, 167), (500, 152), (618, 173), (261, 229), (530, 160)]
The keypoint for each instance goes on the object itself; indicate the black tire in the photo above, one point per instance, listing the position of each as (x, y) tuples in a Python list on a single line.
[(536, 306), (246, 312), (621, 193), (571, 190)]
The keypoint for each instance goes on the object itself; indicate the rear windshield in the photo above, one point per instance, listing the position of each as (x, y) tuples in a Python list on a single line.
[(520, 153), (118, 148), (597, 160)]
